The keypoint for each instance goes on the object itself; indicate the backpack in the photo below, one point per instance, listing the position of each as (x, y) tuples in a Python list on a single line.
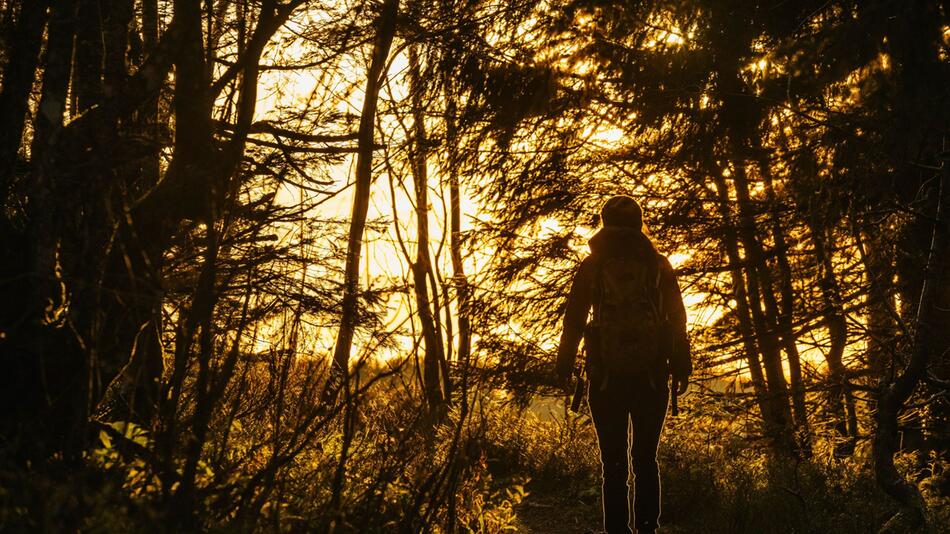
[(627, 336)]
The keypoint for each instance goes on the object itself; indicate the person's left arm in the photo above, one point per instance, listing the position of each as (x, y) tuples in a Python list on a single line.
[(681, 365)]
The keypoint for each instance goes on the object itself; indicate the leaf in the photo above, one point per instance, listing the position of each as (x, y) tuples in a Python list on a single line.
[(105, 439)]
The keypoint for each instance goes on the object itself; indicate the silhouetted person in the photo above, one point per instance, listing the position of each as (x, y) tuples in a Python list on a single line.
[(635, 340)]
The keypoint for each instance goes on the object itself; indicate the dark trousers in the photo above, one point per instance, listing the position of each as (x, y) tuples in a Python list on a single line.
[(641, 402)]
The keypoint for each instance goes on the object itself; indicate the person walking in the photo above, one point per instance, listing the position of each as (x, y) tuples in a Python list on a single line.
[(635, 340)]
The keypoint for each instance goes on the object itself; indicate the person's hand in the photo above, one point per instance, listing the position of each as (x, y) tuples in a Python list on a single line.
[(562, 379), (680, 384)]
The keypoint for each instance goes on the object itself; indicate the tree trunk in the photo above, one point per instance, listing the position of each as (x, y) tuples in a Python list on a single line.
[(192, 148), (760, 286), (877, 258), (460, 281), (434, 356), (787, 305), (846, 420), (894, 395), (776, 425), (87, 84), (149, 115), (131, 326), (62, 366), (18, 79), (115, 37), (364, 175), (741, 119), (144, 370)]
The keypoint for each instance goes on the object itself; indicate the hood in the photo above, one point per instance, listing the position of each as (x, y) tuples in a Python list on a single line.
[(620, 241)]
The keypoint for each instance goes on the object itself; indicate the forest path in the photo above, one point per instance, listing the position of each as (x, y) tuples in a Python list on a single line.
[(548, 509), (552, 509)]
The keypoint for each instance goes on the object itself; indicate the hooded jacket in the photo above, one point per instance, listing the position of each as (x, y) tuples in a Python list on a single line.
[(613, 241)]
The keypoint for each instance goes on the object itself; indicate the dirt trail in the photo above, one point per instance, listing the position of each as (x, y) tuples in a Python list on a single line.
[(551, 510), (561, 510)]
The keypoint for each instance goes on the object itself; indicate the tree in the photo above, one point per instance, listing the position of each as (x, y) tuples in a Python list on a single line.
[(386, 28)]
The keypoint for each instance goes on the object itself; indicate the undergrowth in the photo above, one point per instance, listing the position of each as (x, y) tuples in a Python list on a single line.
[(406, 473)]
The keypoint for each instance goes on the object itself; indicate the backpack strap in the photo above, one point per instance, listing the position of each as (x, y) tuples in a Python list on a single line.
[(597, 306), (660, 265), (597, 288)]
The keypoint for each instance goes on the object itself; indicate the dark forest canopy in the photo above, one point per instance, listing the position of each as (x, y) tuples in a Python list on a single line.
[(287, 265)]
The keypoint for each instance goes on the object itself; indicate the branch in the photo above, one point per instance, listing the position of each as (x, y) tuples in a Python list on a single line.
[(269, 128), (305, 149), (265, 29)]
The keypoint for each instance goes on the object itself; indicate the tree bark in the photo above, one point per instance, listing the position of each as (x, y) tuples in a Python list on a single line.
[(459, 279), (760, 292), (877, 259), (894, 394), (845, 414), (772, 414), (87, 71), (919, 113), (62, 367), (149, 115), (349, 312), (18, 79), (433, 362), (787, 304), (116, 24)]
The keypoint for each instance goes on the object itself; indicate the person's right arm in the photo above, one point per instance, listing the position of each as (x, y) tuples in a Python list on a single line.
[(575, 319)]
